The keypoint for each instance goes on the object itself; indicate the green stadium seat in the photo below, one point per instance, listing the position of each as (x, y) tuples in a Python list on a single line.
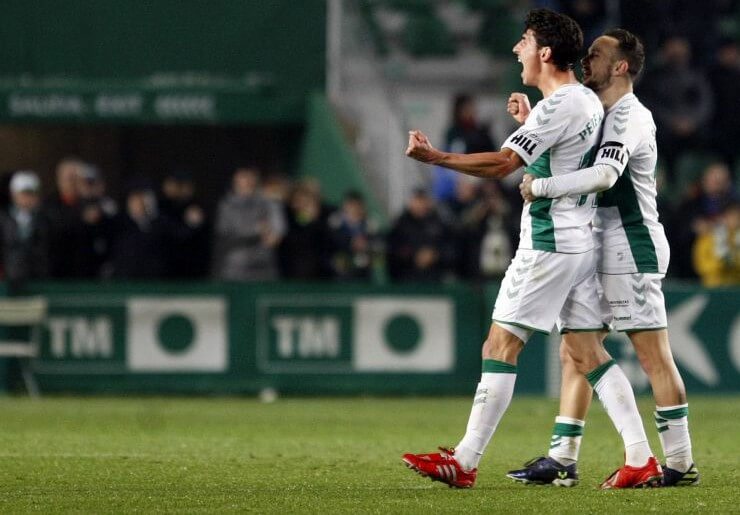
[(489, 5), (427, 36), (499, 33), (376, 33)]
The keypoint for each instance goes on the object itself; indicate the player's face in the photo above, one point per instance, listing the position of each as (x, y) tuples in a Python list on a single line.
[(599, 63), (527, 53)]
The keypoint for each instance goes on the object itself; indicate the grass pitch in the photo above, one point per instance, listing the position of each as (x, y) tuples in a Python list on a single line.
[(100, 455)]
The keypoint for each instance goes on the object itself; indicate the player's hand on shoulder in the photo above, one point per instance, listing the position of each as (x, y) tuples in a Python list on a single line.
[(421, 149), (525, 188), (518, 106)]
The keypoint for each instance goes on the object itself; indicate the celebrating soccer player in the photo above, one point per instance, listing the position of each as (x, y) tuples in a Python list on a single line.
[(552, 278), (632, 260)]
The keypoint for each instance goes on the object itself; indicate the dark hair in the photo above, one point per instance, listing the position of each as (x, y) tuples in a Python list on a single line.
[(461, 99), (630, 48), (354, 196), (559, 32)]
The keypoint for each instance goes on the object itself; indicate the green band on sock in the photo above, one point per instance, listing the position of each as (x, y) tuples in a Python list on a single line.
[(498, 367), (594, 376), (672, 414), (567, 429), (660, 423)]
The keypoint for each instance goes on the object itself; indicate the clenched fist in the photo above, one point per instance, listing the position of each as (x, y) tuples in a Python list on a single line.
[(525, 188), (518, 107), (421, 149)]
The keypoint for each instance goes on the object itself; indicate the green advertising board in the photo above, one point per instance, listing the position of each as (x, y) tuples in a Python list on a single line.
[(332, 339), (237, 338)]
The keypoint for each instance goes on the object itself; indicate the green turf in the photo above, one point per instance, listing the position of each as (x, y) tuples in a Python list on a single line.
[(321, 455)]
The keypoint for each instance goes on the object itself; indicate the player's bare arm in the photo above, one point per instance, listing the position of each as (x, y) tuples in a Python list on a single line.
[(487, 165)]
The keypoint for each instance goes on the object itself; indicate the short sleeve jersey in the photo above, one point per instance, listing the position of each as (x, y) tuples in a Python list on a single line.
[(559, 137), (626, 224)]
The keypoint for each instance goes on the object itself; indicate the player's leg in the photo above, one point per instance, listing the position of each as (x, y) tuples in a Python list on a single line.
[(656, 359), (583, 310), (532, 293), (575, 399), (672, 409), (616, 395), (559, 466), (493, 394), (644, 319), (458, 467)]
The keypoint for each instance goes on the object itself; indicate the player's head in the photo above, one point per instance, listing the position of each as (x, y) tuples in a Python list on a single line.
[(550, 39), (616, 55)]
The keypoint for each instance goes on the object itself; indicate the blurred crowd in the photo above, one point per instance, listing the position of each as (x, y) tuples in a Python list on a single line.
[(267, 228), (263, 228)]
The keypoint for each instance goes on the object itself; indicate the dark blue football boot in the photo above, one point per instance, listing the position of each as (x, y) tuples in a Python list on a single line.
[(673, 477), (545, 471)]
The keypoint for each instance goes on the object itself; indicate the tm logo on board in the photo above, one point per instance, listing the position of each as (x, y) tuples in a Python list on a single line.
[(343, 334)]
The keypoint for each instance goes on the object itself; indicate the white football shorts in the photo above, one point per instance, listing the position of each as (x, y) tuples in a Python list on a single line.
[(542, 289), (635, 301)]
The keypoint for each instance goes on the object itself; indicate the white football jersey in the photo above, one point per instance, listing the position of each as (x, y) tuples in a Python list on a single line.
[(559, 137), (626, 225)]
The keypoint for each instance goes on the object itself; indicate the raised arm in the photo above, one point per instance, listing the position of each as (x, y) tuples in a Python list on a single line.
[(484, 164)]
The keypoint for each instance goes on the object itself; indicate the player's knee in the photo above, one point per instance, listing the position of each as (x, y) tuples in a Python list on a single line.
[(582, 353), (566, 360), (502, 346)]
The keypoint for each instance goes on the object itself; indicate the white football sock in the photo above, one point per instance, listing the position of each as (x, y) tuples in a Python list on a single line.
[(566, 440), (616, 395), (491, 400), (673, 431)]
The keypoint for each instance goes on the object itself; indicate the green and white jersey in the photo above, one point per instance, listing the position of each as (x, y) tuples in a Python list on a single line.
[(559, 137), (626, 225)]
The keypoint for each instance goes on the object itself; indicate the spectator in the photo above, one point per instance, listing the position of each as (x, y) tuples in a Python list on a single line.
[(25, 233), (716, 252), (354, 239), (700, 211), (716, 192), (248, 230), (140, 236), (305, 250), (63, 213), (466, 135), (188, 257), (724, 77), (420, 244), (465, 196), (91, 186), (680, 99), (488, 235), (97, 212)]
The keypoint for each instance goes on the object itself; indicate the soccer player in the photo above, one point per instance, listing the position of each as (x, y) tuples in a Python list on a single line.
[(552, 276), (633, 258)]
